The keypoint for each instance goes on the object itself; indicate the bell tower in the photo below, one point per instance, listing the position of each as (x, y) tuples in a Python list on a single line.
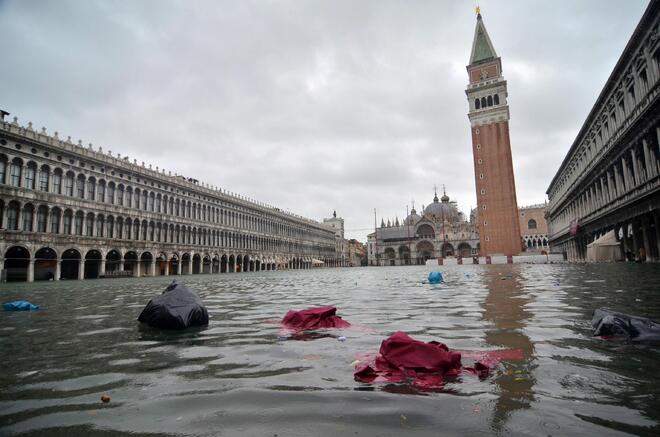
[(499, 228)]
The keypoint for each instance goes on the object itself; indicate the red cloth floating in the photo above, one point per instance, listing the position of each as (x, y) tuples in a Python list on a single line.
[(314, 318), (426, 364)]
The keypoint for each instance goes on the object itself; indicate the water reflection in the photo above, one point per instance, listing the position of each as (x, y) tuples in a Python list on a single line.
[(504, 309)]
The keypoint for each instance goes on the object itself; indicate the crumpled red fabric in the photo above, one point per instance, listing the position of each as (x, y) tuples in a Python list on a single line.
[(426, 364), (314, 318)]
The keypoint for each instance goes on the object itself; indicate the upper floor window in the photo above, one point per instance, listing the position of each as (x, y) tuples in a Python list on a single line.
[(57, 182), (30, 175), (15, 172), (531, 224), (496, 99), (43, 178)]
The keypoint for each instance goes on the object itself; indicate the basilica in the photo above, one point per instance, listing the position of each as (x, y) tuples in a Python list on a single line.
[(441, 231)]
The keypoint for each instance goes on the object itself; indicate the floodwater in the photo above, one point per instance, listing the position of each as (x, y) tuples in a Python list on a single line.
[(236, 378)]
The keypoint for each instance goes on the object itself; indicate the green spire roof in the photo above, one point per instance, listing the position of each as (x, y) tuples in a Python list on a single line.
[(482, 48)]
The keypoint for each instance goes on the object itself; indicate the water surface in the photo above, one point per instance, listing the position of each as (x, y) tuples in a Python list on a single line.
[(237, 378)]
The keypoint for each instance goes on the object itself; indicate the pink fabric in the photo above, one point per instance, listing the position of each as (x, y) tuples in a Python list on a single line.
[(314, 318), (426, 364)]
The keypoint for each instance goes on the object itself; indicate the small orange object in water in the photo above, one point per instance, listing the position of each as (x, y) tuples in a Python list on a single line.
[(105, 398)]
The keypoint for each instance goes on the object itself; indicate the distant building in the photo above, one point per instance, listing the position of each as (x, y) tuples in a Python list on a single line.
[(491, 147), (336, 224), (610, 178), (440, 231), (534, 228)]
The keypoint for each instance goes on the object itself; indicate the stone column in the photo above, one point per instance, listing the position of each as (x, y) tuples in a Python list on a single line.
[(617, 181), (167, 268), (30, 270), (102, 269), (153, 267), (190, 264), (656, 223), (58, 269), (645, 238), (649, 164), (121, 265), (137, 268), (81, 268), (179, 264), (611, 188), (635, 161), (2, 266), (635, 240)]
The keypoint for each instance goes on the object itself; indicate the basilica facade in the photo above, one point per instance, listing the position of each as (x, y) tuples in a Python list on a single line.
[(440, 231)]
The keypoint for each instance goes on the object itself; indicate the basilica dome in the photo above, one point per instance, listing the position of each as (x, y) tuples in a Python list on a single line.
[(412, 218), (444, 210)]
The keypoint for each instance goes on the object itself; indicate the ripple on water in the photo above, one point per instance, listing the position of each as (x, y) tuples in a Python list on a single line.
[(235, 377)]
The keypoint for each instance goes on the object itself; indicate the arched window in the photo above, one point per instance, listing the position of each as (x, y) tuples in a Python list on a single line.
[(55, 220), (89, 226), (110, 227), (100, 226), (68, 218), (477, 104), (42, 215), (110, 194), (91, 188), (531, 224), (100, 194), (120, 227), (28, 212), (490, 100), (68, 184), (15, 171), (80, 187), (3, 168), (43, 178), (12, 216), (151, 202), (78, 223), (120, 195), (57, 181), (30, 175), (144, 199), (483, 103), (496, 99)]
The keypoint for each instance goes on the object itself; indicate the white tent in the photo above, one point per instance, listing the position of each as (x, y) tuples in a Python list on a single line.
[(606, 248)]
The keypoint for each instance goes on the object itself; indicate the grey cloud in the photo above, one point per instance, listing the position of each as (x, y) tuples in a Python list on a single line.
[(310, 105)]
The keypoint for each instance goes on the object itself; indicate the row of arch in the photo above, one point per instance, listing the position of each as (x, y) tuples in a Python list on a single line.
[(66, 221), (486, 102), (425, 251), (30, 175), (19, 264), (535, 242)]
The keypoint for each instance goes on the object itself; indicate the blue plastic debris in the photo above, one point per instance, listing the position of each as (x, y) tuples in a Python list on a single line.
[(341, 338), (435, 278), (20, 305)]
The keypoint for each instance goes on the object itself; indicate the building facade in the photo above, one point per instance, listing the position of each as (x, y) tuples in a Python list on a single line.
[(74, 212), (440, 231), (499, 229), (534, 228), (610, 178)]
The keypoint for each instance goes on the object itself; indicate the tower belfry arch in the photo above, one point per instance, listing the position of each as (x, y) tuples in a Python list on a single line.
[(499, 228)]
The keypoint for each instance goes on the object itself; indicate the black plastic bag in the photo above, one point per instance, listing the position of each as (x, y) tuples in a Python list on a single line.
[(176, 308), (607, 323)]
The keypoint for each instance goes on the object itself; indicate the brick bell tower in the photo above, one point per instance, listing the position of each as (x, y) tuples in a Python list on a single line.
[(499, 228)]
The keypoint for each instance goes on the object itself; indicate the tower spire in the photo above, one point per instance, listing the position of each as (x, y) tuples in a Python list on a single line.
[(482, 47)]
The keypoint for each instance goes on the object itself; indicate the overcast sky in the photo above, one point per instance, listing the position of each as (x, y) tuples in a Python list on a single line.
[(310, 105)]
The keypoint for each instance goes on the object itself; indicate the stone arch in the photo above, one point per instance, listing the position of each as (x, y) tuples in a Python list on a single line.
[(185, 264), (531, 224), (162, 268), (196, 264), (146, 262), (425, 251), (131, 262), (447, 250), (464, 249), (404, 255), (246, 263), (31, 175), (207, 265), (425, 230), (45, 264), (17, 260), (70, 265), (174, 264), (113, 261), (390, 256), (92, 264)]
